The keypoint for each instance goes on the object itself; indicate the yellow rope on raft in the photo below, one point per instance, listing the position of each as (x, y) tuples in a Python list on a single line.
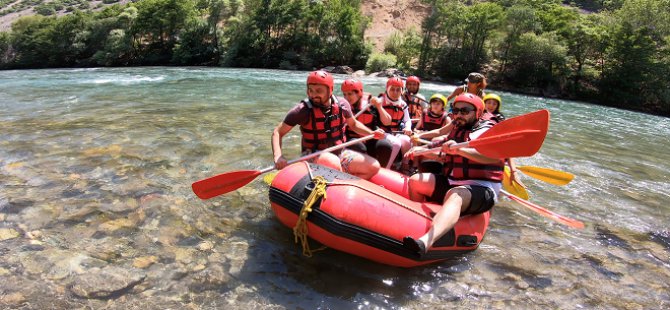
[(300, 229)]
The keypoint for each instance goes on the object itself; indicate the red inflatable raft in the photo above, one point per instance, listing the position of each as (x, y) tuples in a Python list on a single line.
[(368, 219)]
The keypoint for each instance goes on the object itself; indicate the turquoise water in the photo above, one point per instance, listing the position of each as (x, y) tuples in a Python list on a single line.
[(95, 174)]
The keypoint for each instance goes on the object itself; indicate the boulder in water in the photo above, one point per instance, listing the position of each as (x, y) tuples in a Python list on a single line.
[(108, 282)]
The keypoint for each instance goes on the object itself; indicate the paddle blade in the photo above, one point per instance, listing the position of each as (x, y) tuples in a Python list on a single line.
[(268, 178), (551, 176), (524, 136), (223, 183), (513, 187), (546, 213)]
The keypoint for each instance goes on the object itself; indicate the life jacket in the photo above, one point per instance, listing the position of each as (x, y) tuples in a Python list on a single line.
[(432, 121), (498, 117), (368, 118), (462, 168), (322, 131), (413, 104), (396, 110)]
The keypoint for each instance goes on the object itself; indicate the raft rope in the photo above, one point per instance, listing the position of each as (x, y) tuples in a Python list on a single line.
[(385, 197), (300, 230)]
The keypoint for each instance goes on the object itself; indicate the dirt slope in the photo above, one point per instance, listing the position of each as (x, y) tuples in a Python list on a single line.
[(389, 16)]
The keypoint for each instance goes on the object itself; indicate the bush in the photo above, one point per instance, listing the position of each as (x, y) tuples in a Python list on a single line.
[(378, 62)]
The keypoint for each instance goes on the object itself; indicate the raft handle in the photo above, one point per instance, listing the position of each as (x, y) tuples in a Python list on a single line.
[(466, 241)]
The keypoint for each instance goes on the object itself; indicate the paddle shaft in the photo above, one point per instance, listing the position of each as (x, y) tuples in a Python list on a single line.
[(330, 149), (544, 212), (551, 176)]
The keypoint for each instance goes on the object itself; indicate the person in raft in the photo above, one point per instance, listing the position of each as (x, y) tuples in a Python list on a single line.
[(321, 117), (470, 182), (416, 102), (394, 118), (492, 104), (367, 113), (474, 84), (433, 119)]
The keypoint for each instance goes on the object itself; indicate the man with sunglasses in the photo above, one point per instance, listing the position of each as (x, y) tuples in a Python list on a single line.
[(470, 181), (322, 117)]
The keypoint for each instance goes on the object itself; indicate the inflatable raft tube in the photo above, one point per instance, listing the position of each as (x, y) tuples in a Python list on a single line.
[(367, 219)]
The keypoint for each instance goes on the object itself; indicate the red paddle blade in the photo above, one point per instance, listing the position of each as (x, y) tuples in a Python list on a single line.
[(223, 183), (532, 127)]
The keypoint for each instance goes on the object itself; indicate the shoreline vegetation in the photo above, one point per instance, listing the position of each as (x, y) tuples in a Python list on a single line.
[(616, 54)]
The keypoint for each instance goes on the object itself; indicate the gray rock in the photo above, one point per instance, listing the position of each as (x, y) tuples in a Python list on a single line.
[(108, 282), (342, 70), (358, 74), (390, 72), (212, 278)]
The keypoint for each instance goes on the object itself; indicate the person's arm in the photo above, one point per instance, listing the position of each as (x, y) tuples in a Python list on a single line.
[(444, 130), (277, 135), (407, 121), (468, 152), (384, 116), (363, 130), (455, 93)]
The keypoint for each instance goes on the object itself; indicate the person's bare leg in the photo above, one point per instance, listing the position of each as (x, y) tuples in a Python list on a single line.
[(329, 160), (421, 185), (360, 165), (456, 200)]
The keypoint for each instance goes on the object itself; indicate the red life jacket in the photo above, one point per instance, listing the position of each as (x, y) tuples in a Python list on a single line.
[(413, 104), (368, 118), (396, 110), (432, 121), (462, 168), (322, 131)]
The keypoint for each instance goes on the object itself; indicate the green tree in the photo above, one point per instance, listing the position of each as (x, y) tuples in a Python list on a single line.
[(29, 39), (518, 20), (537, 61), (6, 52), (158, 25), (406, 46)]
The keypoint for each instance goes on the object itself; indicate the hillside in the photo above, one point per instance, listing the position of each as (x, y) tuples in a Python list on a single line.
[(387, 16)]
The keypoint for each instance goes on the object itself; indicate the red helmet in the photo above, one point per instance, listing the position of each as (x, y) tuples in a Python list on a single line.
[(351, 85), (321, 77), (474, 100), (414, 78), (394, 81)]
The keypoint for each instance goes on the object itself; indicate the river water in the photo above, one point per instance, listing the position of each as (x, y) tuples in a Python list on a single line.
[(97, 211)]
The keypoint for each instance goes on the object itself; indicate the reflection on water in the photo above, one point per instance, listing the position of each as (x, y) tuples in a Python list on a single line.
[(97, 210)]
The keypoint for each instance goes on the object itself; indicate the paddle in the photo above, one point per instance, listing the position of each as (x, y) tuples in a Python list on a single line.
[(512, 186), (544, 212), (523, 136), (230, 181), (551, 176)]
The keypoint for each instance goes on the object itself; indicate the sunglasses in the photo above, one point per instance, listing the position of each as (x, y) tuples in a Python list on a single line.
[(462, 111)]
